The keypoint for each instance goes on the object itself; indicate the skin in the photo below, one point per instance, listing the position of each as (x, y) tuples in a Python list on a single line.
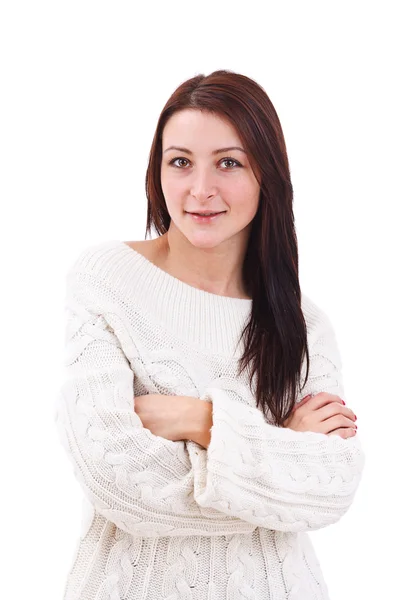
[(323, 413), (176, 417), (187, 418), (207, 256)]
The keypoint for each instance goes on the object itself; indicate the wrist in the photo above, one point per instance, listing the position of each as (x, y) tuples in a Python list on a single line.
[(199, 422)]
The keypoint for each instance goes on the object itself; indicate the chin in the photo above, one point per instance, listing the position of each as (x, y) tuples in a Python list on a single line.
[(206, 242)]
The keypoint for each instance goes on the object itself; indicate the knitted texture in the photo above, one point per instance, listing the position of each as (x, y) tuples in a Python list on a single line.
[(170, 520)]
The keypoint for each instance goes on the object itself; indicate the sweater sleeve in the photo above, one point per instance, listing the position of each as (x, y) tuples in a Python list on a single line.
[(141, 482), (275, 477)]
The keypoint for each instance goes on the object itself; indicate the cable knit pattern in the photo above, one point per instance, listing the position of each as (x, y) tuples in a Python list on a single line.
[(170, 520), (270, 476)]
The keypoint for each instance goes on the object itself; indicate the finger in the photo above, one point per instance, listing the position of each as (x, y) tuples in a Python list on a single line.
[(334, 408), (344, 432), (336, 422), (322, 399)]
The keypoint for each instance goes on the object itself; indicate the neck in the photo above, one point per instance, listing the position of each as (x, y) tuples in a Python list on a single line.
[(217, 270)]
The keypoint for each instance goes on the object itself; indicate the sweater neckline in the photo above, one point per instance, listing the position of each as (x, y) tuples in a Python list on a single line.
[(166, 277), (208, 321)]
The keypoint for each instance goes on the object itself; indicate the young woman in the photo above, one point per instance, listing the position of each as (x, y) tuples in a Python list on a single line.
[(203, 407)]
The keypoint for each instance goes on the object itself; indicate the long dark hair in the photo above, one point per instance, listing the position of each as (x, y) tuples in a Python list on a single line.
[(275, 337)]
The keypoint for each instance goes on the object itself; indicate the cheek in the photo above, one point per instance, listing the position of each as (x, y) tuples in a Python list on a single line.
[(173, 188), (240, 186), (243, 197), (174, 196)]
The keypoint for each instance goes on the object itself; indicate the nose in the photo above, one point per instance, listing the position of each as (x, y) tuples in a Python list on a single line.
[(203, 185)]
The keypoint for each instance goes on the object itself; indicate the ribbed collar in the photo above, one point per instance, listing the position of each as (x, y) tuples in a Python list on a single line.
[(210, 321)]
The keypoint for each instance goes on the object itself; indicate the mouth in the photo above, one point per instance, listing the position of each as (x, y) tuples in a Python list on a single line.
[(205, 217)]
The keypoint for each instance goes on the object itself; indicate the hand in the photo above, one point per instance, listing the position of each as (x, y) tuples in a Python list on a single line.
[(322, 413), (165, 416)]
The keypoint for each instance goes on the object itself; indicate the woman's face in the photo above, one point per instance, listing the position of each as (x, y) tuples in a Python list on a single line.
[(201, 179)]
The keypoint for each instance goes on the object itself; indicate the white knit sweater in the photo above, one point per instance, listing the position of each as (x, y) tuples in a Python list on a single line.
[(173, 520)]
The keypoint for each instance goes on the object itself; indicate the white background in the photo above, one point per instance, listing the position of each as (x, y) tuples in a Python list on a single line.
[(82, 86)]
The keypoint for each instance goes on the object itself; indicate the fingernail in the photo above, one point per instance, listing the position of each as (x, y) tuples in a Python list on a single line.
[(343, 402)]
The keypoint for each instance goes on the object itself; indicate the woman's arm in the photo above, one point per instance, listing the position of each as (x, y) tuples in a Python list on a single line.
[(199, 423), (175, 418), (141, 482), (276, 477)]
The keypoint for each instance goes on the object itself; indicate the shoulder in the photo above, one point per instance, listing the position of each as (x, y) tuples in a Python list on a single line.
[(99, 254), (146, 248), (318, 322), (325, 354), (85, 258), (111, 269), (312, 311)]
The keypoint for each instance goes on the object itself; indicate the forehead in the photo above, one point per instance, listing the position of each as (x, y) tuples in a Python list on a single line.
[(192, 125)]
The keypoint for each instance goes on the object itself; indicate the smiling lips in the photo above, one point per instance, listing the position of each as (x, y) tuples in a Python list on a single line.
[(205, 214), (205, 218)]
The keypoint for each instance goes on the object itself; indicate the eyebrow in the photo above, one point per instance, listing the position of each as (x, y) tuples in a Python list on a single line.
[(187, 151)]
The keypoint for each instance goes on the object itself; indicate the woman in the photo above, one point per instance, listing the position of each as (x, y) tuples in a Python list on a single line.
[(202, 407)]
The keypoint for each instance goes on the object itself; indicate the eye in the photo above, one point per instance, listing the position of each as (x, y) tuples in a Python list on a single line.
[(232, 160), (227, 159), (171, 162)]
